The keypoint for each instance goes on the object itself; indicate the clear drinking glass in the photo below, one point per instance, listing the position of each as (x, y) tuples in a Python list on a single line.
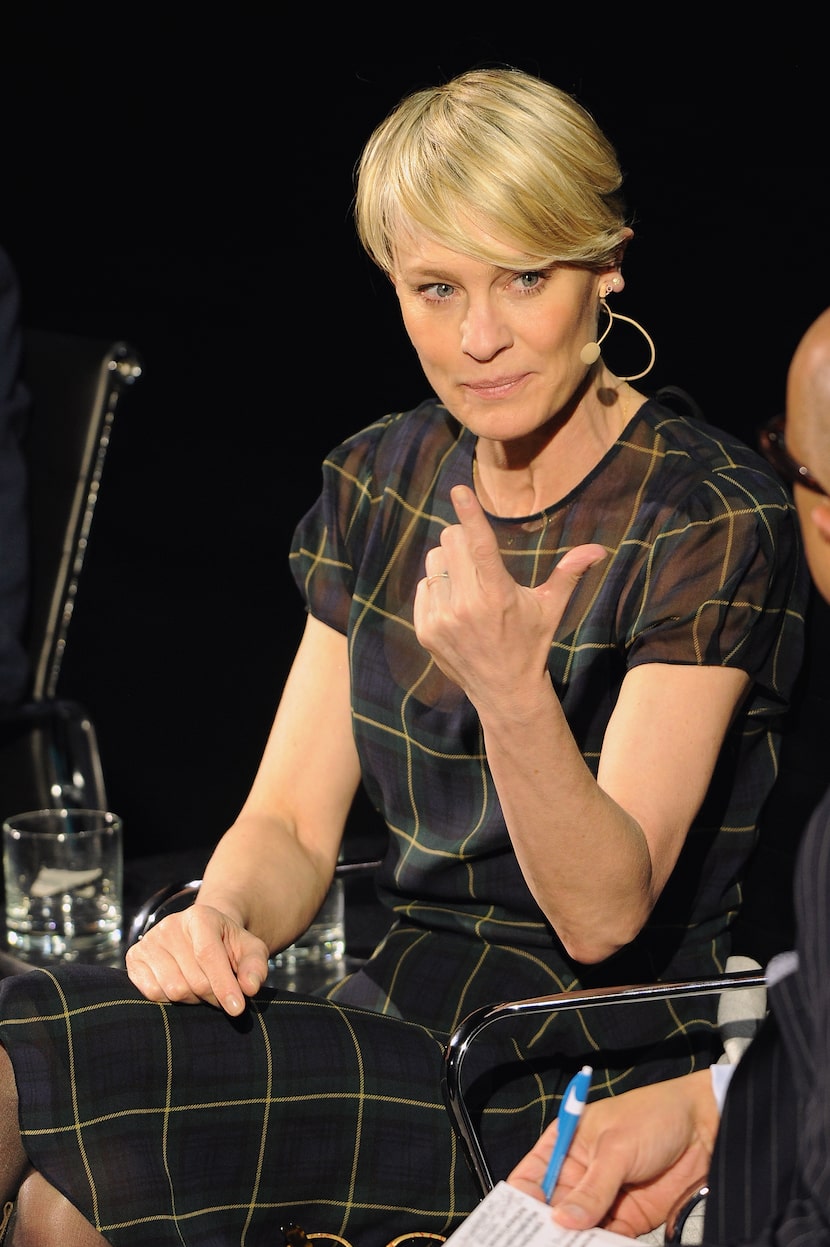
[(319, 955), (63, 873)]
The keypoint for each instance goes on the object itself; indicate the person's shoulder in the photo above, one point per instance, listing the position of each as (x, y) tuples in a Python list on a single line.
[(397, 432), (698, 444)]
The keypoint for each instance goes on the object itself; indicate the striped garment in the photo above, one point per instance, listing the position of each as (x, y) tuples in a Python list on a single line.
[(770, 1174)]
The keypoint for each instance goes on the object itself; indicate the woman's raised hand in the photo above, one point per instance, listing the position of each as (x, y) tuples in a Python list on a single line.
[(486, 632)]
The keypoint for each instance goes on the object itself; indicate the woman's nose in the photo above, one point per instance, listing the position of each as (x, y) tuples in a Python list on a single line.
[(484, 332)]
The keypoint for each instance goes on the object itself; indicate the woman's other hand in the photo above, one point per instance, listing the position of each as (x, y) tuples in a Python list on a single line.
[(199, 954)]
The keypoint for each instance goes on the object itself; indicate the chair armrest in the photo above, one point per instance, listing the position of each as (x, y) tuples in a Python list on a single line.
[(167, 900), (471, 1027), (179, 894), (685, 1208)]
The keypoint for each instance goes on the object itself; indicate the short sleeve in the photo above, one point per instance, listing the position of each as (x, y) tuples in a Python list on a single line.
[(322, 555), (724, 584)]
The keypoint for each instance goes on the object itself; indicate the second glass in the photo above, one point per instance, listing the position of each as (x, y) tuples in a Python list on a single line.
[(63, 872)]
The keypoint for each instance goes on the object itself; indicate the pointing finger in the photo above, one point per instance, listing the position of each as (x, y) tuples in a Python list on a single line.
[(480, 540)]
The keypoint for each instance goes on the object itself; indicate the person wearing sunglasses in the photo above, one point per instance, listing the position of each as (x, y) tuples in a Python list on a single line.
[(765, 1159), (553, 624), (774, 447)]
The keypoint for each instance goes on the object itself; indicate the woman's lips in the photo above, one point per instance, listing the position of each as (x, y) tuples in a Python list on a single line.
[(496, 387)]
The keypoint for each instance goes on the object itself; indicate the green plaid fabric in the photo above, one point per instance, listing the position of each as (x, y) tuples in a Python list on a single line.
[(704, 567), (175, 1125)]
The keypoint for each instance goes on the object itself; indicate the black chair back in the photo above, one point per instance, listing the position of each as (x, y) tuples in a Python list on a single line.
[(49, 753)]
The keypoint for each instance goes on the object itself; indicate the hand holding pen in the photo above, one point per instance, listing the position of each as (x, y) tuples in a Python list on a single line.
[(570, 1110)]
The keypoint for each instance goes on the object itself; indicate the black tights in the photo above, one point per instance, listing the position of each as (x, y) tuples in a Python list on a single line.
[(41, 1216)]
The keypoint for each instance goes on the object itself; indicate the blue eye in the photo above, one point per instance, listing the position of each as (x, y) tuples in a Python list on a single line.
[(437, 291)]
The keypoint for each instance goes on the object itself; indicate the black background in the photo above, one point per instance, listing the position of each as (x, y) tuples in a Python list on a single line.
[(184, 182)]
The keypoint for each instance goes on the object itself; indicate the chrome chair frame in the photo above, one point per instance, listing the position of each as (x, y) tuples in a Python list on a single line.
[(112, 368), (479, 1020), (178, 895)]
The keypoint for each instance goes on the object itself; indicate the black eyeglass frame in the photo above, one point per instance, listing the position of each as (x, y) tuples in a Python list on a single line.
[(773, 447)]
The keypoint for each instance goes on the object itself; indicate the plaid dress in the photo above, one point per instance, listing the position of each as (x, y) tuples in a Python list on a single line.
[(173, 1124)]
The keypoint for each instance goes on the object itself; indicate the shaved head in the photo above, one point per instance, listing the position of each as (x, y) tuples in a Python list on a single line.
[(808, 440), (808, 399)]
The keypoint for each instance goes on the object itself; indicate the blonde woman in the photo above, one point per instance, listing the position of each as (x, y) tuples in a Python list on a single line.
[(552, 628)]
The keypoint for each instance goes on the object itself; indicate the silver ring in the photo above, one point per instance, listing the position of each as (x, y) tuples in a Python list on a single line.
[(445, 575)]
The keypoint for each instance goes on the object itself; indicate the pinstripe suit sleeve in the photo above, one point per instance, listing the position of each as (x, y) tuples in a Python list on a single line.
[(770, 1173)]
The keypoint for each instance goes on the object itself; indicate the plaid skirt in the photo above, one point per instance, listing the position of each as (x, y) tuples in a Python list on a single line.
[(178, 1125)]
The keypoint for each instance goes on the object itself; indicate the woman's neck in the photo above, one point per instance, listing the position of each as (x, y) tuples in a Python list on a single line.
[(516, 479)]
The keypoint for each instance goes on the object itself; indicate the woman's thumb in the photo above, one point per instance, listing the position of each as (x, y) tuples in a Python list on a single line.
[(577, 561)]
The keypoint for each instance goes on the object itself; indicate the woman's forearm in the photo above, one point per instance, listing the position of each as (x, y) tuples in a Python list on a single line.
[(573, 842)]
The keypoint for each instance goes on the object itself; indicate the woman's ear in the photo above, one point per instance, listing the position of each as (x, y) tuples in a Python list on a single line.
[(613, 281)]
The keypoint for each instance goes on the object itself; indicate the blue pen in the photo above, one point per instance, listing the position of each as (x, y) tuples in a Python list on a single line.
[(570, 1110)]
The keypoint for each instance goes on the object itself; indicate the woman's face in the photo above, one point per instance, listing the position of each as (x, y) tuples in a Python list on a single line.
[(499, 346)]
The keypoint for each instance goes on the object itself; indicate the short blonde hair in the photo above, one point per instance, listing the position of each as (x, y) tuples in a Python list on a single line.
[(503, 151)]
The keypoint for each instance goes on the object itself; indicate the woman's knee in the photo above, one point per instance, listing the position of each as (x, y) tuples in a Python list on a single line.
[(42, 1216), (13, 1159)]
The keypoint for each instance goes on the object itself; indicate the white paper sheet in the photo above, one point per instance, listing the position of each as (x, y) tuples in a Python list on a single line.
[(509, 1218)]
